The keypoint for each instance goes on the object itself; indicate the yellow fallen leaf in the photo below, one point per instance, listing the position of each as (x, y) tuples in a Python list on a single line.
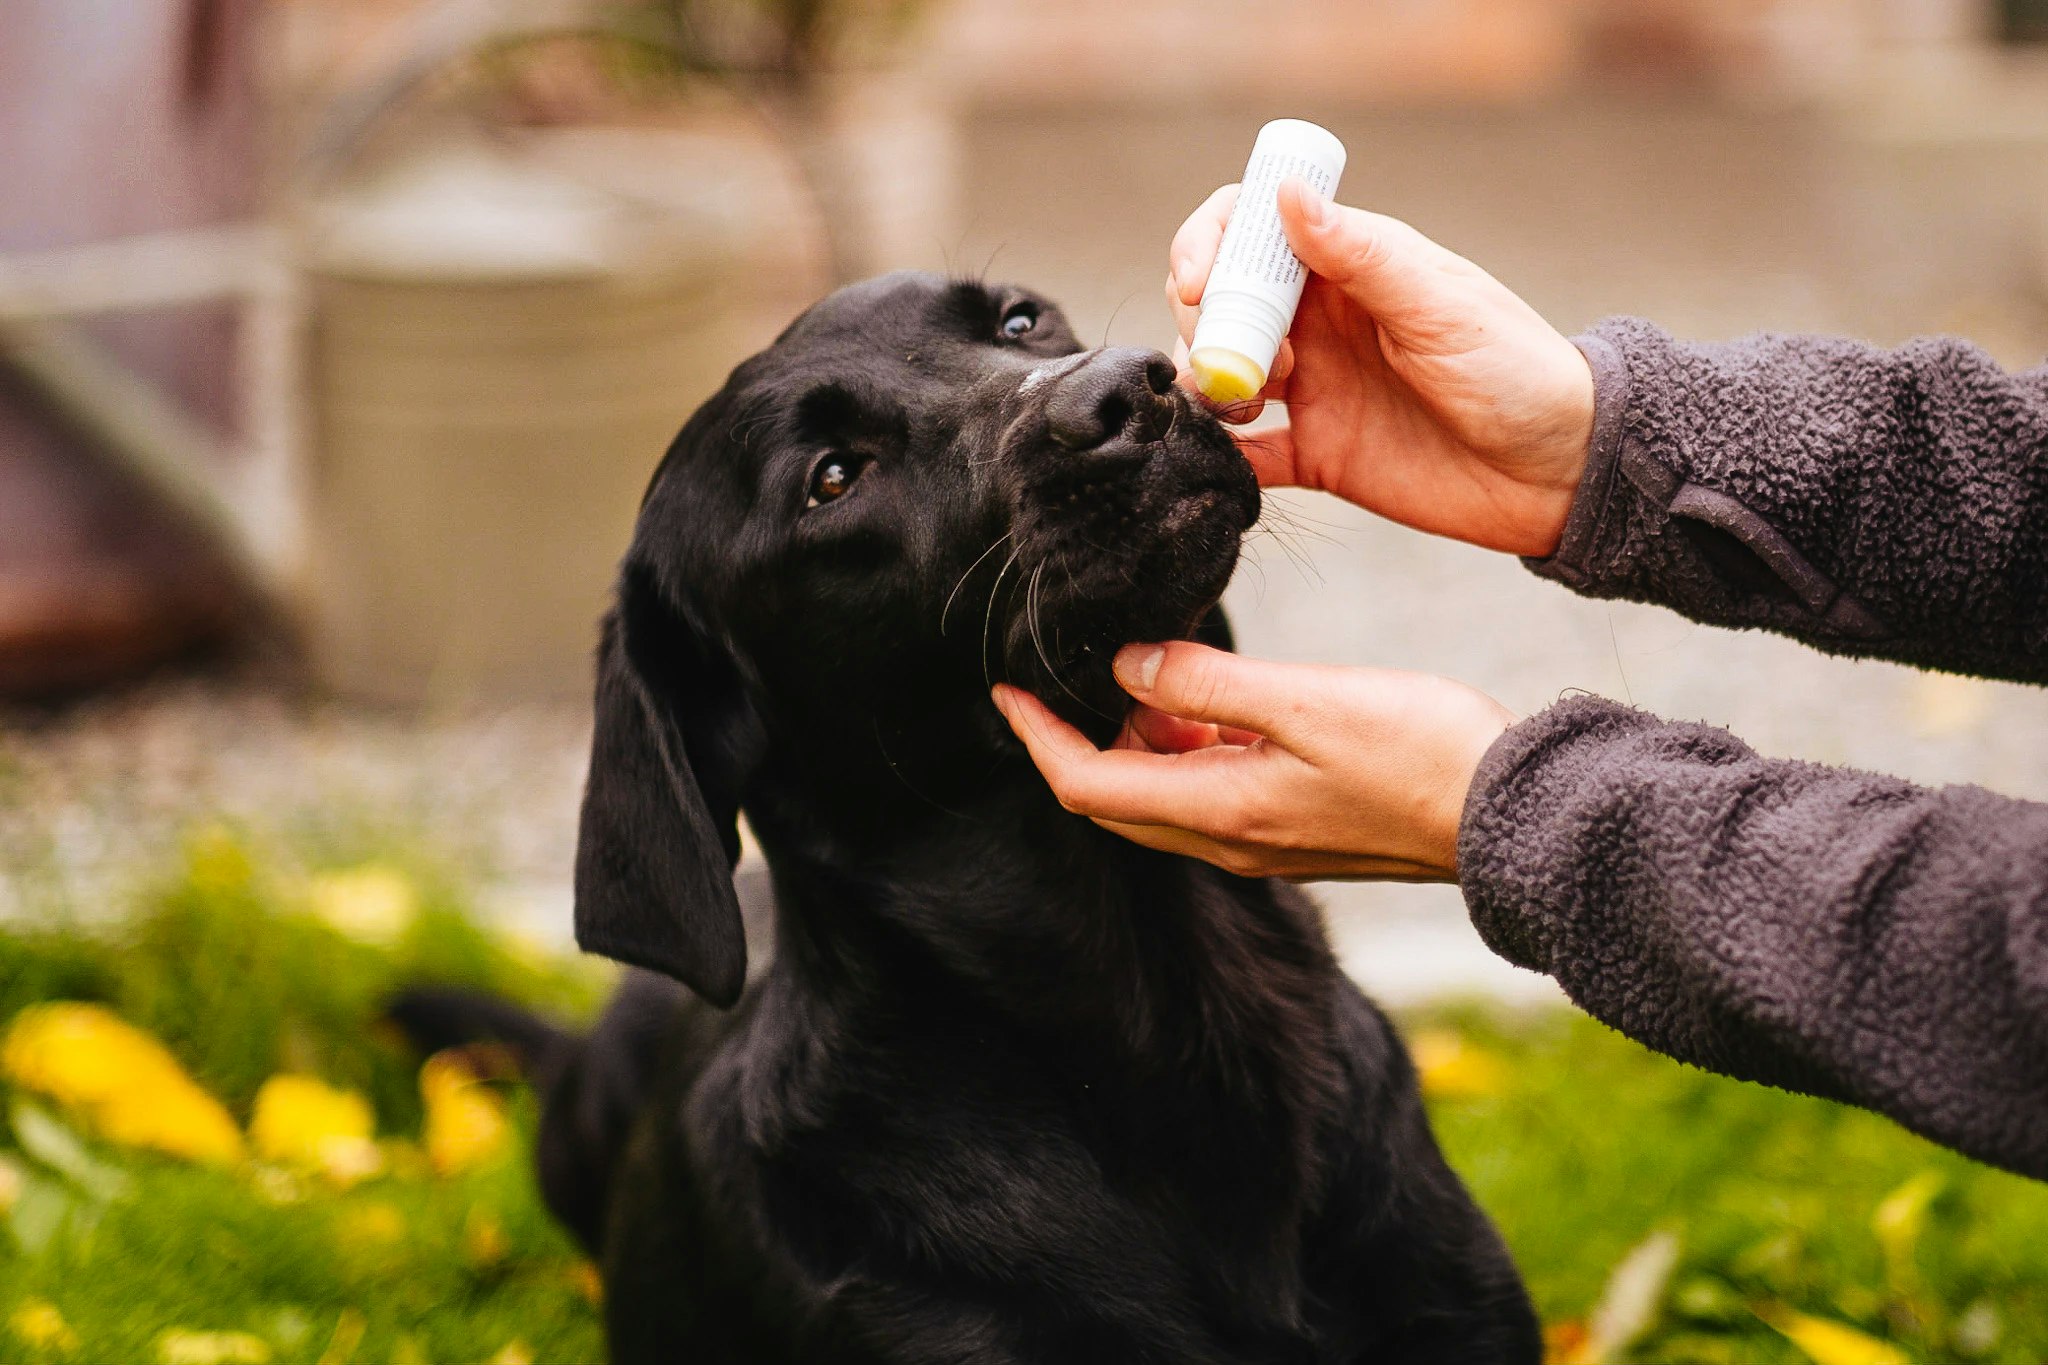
[(306, 1123), (1564, 1343), (10, 1186), (348, 1335), (515, 1352), (123, 1082), (180, 1347), (465, 1123), (37, 1324), (1830, 1343), (1901, 1216), (371, 1225), (277, 1185), (484, 1242), (1632, 1298), (1450, 1067), (374, 903)]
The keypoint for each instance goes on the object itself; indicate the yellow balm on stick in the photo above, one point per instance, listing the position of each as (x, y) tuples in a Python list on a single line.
[(1226, 376), (1256, 283)]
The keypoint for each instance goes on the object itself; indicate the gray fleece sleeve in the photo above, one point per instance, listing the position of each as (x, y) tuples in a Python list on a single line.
[(1820, 929), (1825, 930), (1884, 503)]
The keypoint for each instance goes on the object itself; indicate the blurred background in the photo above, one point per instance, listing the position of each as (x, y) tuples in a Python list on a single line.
[(339, 337)]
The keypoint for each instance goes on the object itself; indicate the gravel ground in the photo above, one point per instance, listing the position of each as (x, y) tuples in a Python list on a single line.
[(101, 793)]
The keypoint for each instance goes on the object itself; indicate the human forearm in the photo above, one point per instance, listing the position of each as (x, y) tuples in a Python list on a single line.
[(1890, 504), (1824, 930)]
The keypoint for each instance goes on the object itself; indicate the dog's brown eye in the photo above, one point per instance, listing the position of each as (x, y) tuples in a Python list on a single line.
[(1020, 320), (833, 478)]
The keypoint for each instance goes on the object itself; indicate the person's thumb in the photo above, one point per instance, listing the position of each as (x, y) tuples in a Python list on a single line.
[(1387, 267), (1198, 683)]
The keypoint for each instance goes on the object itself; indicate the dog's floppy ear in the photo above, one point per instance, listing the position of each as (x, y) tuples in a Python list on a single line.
[(660, 827)]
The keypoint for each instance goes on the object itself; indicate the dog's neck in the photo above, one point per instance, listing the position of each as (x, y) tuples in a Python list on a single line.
[(974, 873)]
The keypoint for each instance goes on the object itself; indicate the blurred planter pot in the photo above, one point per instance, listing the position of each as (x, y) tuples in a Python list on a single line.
[(500, 358)]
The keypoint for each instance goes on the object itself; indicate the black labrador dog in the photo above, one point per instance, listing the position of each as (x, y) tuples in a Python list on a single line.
[(1011, 1088)]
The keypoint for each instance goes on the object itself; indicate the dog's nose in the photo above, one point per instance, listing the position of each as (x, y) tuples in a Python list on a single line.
[(1117, 389)]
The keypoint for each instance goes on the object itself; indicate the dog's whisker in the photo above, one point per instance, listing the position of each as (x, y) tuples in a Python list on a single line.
[(988, 620), (1273, 518), (896, 770), (1288, 534), (1031, 617), (997, 545), (1110, 326), (1303, 564), (1295, 517), (1037, 637), (1260, 570), (751, 416), (1291, 538)]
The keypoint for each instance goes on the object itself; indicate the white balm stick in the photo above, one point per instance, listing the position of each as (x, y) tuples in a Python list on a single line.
[(1255, 285)]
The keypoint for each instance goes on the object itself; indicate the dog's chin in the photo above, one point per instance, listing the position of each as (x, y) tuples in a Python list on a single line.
[(1093, 600)]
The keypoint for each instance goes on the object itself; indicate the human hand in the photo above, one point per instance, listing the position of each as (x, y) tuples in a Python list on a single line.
[(1274, 770), (1416, 385)]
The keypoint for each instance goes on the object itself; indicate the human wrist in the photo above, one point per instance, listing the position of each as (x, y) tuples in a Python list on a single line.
[(1565, 455), (1476, 723)]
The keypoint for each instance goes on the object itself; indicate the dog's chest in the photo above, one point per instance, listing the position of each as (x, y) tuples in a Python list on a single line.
[(1172, 1199)]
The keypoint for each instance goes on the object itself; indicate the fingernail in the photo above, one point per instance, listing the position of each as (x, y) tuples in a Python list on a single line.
[(1315, 210), (1138, 665), (1000, 695), (1182, 269)]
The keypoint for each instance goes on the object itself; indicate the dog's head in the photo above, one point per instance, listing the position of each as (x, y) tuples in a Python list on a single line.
[(924, 486)]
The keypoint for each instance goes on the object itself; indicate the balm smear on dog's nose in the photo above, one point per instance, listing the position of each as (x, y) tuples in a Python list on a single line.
[(1255, 285)]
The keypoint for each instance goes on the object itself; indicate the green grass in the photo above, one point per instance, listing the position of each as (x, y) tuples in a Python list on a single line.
[(1593, 1144), (1580, 1143), (223, 962)]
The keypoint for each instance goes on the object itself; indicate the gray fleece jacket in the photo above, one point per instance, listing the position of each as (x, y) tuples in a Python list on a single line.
[(1837, 932)]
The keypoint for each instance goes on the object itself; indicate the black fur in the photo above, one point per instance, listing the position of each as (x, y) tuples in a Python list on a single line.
[(1010, 1088)]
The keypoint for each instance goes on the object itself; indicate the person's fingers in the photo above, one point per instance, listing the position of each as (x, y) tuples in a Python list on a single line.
[(1130, 786), (1168, 839), (1185, 315), (1194, 246), (1381, 262), (1283, 366), (1195, 682), (1168, 734), (1260, 860), (1050, 740)]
